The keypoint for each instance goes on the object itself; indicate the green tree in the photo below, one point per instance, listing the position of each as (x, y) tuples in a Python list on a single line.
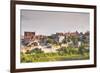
[(49, 40), (36, 50), (62, 51), (81, 50)]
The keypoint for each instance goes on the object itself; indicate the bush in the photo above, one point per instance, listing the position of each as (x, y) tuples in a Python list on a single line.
[(81, 50), (36, 50)]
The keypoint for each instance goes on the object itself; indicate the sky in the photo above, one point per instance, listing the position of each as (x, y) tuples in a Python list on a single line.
[(50, 22)]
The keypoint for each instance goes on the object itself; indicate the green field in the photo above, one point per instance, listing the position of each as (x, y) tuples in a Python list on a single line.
[(64, 54)]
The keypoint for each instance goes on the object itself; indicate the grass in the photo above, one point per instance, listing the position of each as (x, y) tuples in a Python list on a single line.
[(48, 57)]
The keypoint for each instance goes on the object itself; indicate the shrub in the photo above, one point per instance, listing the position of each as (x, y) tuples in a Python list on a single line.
[(36, 50)]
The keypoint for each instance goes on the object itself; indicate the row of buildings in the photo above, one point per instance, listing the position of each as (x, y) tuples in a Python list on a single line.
[(75, 39)]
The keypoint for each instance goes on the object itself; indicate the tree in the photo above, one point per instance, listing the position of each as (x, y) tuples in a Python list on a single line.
[(64, 41), (62, 51), (81, 50), (50, 37), (50, 41), (36, 50)]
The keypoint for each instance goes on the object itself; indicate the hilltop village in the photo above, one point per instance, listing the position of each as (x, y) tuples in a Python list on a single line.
[(53, 42)]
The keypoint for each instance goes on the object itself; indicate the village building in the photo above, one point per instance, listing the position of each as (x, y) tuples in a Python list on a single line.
[(32, 41)]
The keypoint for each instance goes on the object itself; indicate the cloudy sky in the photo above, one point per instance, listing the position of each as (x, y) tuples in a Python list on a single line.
[(50, 22)]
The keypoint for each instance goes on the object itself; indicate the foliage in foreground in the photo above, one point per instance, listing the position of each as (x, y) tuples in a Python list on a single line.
[(37, 55)]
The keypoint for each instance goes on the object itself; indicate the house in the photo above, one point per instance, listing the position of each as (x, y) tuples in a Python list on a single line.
[(58, 37), (28, 36), (30, 46)]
